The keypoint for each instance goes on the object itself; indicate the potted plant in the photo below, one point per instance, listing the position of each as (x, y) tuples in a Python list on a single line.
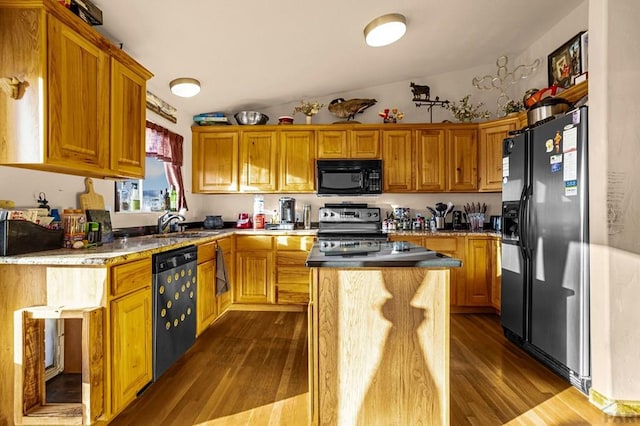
[(513, 107), (465, 111), (309, 109)]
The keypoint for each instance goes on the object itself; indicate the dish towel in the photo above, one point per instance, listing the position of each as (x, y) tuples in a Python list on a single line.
[(222, 283)]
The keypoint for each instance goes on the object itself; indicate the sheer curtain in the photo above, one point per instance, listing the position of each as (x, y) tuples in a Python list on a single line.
[(166, 146)]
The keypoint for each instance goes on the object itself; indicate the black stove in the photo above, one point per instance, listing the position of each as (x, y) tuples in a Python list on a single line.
[(350, 222)]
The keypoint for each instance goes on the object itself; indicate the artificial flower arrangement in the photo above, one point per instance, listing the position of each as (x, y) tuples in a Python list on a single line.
[(391, 115), (308, 108), (513, 106), (466, 111)]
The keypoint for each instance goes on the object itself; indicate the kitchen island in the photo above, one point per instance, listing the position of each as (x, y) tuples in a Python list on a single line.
[(379, 333)]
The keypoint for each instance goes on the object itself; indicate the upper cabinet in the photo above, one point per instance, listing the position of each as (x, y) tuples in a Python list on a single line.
[(258, 161), (296, 158), (462, 156), (81, 107), (215, 161), (351, 143), (491, 135)]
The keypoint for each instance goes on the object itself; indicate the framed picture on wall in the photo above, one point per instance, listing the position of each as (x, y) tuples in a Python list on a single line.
[(565, 63)]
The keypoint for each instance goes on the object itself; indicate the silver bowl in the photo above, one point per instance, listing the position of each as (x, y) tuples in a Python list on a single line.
[(251, 117)]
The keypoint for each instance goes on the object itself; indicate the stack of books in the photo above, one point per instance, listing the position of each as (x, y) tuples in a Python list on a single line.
[(211, 118)]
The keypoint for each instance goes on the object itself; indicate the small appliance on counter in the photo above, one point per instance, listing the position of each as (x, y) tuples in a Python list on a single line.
[(244, 221), (287, 213), (458, 220)]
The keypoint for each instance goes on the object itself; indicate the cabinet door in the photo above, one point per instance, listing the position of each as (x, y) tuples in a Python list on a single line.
[(490, 149), (332, 144), (454, 247), (297, 161), (430, 155), (131, 360), (128, 102), (78, 101), (496, 273), (462, 145), (397, 164), (365, 144), (258, 160), (206, 304), (479, 267), (254, 277), (215, 162), (228, 252)]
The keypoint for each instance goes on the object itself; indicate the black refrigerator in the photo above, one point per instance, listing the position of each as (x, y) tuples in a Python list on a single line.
[(545, 245)]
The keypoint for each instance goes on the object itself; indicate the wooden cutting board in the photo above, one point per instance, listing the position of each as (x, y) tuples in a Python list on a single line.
[(90, 200)]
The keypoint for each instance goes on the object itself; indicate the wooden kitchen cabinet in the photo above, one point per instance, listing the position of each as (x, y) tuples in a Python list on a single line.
[(453, 246), (297, 161), (131, 328), (254, 269), (462, 147), (478, 272), (215, 161), (206, 303), (354, 143), (128, 117), (431, 161), (258, 161), (491, 135), (81, 108), (397, 153), (228, 247), (292, 276)]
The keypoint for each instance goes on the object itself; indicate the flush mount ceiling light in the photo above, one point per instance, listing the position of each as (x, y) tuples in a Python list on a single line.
[(385, 30), (185, 87)]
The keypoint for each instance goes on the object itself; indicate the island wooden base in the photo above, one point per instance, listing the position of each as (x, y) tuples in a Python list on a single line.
[(379, 346)]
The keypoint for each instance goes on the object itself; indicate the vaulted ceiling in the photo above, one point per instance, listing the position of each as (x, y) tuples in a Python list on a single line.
[(253, 54)]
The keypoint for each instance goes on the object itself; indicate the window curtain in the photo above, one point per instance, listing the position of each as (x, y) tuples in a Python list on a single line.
[(166, 146)]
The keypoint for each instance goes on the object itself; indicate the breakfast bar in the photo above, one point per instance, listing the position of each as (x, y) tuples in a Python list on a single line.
[(379, 333)]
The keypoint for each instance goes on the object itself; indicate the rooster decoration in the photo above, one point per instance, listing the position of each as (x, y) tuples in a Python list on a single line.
[(348, 109)]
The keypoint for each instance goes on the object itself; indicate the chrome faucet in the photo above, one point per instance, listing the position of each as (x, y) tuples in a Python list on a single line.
[(165, 220)]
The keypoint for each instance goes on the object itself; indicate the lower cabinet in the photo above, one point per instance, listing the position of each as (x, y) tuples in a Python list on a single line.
[(292, 276), (131, 328), (228, 247), (254, 269), (206, 303), (131, 359), (476, 284)]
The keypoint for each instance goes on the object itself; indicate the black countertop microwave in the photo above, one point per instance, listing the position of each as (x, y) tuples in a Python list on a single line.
[(349, 177)]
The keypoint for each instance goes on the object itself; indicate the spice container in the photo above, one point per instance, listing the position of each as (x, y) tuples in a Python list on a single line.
[(74, 224)]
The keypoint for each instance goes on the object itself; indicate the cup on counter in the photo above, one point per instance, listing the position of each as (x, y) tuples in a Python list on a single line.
[(476, 221)]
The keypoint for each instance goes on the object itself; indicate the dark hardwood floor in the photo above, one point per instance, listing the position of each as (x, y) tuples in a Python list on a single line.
[(250, 368)]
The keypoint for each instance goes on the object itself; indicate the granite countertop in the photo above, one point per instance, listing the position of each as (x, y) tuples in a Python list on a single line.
[(390, 254), (131, 248), (447, 232)]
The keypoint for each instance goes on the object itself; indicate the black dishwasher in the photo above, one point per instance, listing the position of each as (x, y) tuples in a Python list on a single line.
[(174, 306)]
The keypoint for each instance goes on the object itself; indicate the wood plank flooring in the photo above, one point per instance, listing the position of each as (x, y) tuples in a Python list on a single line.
[(250, 368)]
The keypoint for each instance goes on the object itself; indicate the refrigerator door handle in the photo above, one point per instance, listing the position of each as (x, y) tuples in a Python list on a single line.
[(522, 242)]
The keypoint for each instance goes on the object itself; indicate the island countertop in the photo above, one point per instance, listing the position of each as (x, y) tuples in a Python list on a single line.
[(366, 254)]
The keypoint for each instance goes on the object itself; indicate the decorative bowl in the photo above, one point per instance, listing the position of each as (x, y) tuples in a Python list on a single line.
[(251, 118), (285, 119)]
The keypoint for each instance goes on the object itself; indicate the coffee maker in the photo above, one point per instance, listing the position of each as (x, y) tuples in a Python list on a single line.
[(287, 213)]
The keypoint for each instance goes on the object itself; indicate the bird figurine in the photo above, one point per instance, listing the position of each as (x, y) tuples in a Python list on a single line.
[(348, 109)]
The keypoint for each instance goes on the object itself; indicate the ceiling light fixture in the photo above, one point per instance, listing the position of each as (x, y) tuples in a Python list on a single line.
[(385, 30), (185, 87)]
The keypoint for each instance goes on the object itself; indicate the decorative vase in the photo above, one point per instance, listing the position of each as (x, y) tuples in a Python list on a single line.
[(308, 118)]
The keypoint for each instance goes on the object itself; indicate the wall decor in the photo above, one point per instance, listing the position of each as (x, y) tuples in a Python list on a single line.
[(503, 78), (161, 108), (565, 63), (422, 96)]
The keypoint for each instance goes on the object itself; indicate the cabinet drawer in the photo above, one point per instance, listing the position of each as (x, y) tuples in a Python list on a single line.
[(292, 294), (444, 244), (206, 252), (295, 243), (258, 242), (291, 258), (293, 274), (130, 276)]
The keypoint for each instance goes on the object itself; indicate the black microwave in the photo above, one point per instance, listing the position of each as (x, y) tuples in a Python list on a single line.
[(349, 177)]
